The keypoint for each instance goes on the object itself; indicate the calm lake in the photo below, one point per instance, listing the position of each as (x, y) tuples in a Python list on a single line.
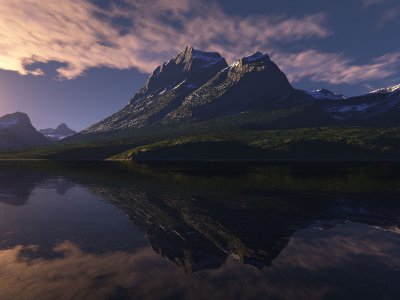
[(201, 231)]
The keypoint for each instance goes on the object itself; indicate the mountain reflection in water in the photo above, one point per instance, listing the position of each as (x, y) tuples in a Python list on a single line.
[(123, 231)]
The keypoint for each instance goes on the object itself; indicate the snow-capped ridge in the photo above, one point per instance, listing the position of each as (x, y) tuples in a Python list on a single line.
[(256, 56), (391, 89), (252, 58), (324, 94), (190, 54), (9, 122)]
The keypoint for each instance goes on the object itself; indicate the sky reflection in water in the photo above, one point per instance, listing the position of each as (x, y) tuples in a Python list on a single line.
[(123, 232)]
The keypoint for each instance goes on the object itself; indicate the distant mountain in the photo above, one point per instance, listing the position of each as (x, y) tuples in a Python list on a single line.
[(16, 131), (389, 90), (62, 131), (378, 108), (324, 94)]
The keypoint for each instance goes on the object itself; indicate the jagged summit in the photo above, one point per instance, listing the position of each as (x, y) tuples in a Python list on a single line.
[(189, 54), (62, 126), (256, 57), (190, 68)]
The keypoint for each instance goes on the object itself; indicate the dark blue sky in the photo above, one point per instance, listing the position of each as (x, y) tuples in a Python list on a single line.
[(104, 51)]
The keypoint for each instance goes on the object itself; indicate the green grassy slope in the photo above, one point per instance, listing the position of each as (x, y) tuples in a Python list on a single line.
[(327, 143)]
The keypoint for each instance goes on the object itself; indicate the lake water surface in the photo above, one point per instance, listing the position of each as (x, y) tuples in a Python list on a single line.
[(216, 231)]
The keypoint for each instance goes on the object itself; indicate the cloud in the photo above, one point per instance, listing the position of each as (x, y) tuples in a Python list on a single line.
[(389, 15), (142, 34), (72, 273), (81, 35), (335, 68), (368, 3)]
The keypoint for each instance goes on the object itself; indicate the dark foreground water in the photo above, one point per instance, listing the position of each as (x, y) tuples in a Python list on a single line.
[(278, 231)]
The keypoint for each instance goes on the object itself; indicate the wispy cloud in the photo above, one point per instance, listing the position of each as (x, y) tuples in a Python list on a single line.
[(336, 68), (368, 3), (389, 15), (82, 35)]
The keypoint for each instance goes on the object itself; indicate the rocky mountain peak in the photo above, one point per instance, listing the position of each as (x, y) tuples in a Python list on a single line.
[(259, 73), (194, 67), (256, 57), (62, 126), (62, 131)]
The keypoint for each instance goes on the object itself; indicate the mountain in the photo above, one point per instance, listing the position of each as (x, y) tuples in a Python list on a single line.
[(389, 90), (62, 131), (16, 131), (197, 87), (378, 108), (165, 90), (324, 94), (197, 107), (252, 83)]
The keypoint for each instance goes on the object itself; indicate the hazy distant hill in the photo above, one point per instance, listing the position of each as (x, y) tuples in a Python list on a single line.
[(61, 132), (16, 131)]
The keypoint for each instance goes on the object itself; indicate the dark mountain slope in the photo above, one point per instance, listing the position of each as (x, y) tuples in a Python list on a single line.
[(16, 131), (251, 83)]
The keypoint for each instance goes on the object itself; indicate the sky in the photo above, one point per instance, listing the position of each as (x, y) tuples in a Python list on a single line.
[(77, 62)]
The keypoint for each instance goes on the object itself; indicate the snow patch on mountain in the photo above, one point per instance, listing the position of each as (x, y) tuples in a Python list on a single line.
[(350, 108), (61, 132), (8, 122), (388, 90), (254, 57), (206, 56), (323, 94)]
